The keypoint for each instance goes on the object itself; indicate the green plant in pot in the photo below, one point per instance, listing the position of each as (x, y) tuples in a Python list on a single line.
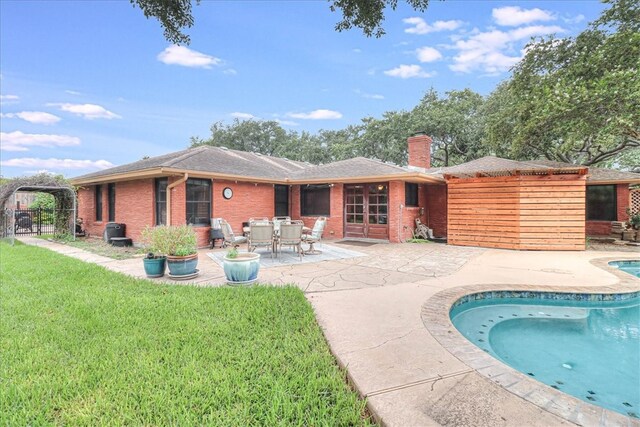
[(155, 261), (241, 268), (179, 244)]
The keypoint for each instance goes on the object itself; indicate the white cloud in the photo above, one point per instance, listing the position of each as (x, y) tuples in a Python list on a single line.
[(38, 117), (19, 141), (357, 50), (181, 55), (30, 162), (9, 97), (287, 122), (73, 92), (428, 54), (494, 51), (512, 16), (419, 26), (244, 116), (317, 115), (409, 71), (87, 111), (230, 72), (369, 95), (574, 19)]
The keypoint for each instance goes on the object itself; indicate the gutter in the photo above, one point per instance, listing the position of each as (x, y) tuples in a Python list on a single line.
[(169, 188)]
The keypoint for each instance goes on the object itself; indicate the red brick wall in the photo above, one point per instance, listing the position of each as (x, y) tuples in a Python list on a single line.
[(436, 203), (334, 228), (249, 200), (603, 228), (87, 210), (135, 206), (410, 213), (419, 147)]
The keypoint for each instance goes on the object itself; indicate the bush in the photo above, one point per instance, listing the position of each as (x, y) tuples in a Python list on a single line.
[(172, 240)]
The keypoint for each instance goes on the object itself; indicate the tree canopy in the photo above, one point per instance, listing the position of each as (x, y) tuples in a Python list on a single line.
[(177, 15), (575, 99)]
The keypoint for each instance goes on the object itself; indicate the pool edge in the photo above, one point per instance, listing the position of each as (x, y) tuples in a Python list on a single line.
[(435, 317)]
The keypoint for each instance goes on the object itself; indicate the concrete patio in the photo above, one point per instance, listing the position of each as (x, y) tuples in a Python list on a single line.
[(370, 308)]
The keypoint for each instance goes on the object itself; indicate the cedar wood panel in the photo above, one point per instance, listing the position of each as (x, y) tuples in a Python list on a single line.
[(534, 212)]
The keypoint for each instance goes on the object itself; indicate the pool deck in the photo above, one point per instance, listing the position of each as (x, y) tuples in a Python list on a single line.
[(385, 318)]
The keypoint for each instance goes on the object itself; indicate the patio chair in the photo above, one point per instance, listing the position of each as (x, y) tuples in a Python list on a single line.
[(315, 236), (230, 238), (291, 235), (261, 236), (422, 231), (277, 220)]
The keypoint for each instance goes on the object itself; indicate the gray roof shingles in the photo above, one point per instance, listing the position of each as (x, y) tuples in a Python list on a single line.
[(251, 165)]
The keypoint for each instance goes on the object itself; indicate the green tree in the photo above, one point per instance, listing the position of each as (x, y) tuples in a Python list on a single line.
[(575, 99), (43, 201), (455, 122), (176, 15), (266, 137)]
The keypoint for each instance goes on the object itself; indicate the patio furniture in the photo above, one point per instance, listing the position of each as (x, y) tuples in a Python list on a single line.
[(230, 238), (261, 235), (315, 236), (277, 220), (291, 235), (422, 231), (215, 234)]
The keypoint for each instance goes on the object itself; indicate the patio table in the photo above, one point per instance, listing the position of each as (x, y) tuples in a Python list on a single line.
[(246, 232)]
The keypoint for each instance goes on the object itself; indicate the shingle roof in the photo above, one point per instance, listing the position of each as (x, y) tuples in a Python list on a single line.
[(352, 168), (211, 160), (496, 166)]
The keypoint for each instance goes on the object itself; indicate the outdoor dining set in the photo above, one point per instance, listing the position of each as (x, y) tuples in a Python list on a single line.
[(273, 234)]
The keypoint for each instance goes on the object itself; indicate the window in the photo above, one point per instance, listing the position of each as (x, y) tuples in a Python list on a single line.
[(98, 202), (111, 195), (161, 201), (198, 201), (281, 194), (315, 200), (410, 194), (601, 203)]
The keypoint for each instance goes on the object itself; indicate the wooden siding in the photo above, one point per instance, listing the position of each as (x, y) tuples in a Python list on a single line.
[(534, 212)]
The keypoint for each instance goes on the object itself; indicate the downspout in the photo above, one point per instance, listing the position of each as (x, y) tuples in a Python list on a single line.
[(169, 188)]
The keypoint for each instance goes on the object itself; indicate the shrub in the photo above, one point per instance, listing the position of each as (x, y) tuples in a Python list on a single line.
[(172, 240)]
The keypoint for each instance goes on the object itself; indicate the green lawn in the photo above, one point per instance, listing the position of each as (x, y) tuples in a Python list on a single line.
[(81, 345)]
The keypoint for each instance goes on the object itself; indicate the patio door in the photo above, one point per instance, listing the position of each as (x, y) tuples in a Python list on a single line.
[(366, 211)]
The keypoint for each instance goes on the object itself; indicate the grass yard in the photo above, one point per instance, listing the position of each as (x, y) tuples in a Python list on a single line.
[(81, 345), (98, 247)]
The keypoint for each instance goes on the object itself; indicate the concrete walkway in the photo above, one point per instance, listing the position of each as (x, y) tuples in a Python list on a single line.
[(370, 310)]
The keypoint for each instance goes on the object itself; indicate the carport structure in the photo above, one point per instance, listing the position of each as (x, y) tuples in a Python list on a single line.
[(65, 212)]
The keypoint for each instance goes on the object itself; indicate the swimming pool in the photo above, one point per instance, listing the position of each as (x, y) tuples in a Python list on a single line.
[(584, 345), (630, 266)]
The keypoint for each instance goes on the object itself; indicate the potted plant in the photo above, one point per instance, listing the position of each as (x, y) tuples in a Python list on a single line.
[(178, 244), (154, 265), (241, 268)]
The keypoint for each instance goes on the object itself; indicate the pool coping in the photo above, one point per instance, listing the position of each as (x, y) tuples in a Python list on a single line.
[(435, 317)]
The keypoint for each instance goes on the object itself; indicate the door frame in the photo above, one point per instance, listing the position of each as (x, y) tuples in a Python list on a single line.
[(365, 210)]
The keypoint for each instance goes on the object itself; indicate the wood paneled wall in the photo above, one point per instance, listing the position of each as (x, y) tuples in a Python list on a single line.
[(535, 212)]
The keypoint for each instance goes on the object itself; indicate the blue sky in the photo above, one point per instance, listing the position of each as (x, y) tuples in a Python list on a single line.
[(87, 85)]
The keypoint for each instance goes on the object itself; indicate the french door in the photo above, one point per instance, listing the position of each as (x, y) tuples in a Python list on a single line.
[(366, 211)]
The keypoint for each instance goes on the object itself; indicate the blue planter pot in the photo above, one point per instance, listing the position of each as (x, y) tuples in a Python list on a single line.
[(182, 265), (154, 267), (242, 270)]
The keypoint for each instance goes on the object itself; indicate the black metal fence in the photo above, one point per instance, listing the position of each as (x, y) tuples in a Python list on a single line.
[(35, 221)]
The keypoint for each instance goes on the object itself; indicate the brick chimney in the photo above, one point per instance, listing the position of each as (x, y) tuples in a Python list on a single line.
[(419, 150)]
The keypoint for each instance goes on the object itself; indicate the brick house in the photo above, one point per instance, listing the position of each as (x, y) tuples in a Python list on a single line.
[(362, 198)]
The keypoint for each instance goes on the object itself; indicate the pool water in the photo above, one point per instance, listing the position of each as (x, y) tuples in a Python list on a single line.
[(589, 349), (632, 266)]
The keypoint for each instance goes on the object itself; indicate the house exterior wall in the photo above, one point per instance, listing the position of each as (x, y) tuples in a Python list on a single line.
[(249, 201), (134, 207), (435, 197), (603, 228), (334, 228), (540, 212)]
